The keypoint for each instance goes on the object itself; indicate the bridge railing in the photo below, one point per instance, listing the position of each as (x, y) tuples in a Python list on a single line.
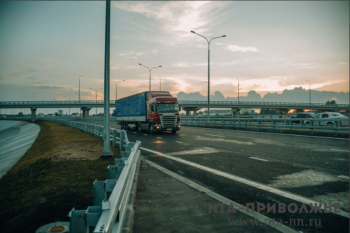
[(108, 215), (332, 126), (54, 102), (287, 104)]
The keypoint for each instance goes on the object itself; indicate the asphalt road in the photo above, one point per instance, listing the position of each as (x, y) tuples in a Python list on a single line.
[(264, 167)]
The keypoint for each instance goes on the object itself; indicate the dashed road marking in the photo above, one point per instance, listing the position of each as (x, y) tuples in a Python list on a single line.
[(159, 137), (146, 134), (243, 209), (178, 142), (293, 135), (340, 150), (133, 132), (247, 182), (259, 159), (344, 177), (215, 135)]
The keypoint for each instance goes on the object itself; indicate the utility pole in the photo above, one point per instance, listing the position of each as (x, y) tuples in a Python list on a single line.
[(106, 132), (96, 96), (160, 83)]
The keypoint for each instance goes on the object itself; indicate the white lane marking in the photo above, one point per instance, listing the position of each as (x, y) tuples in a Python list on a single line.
[(247, 182), (215, 135), (159, 137), (133, 132), (259, 159), (146, 134), (204, 150), (222, 199), (295, 135), (178, 142), (340, 150), (341, 159), (344, 177)]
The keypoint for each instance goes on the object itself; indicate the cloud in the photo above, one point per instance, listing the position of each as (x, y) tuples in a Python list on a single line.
[(125, 54), (48, 87), (177, 17), (45, 64), (185, 64), (342, 63), (21, 73), (32, 78), (303, 65), (236, 48), (154, 51), (139, 54)]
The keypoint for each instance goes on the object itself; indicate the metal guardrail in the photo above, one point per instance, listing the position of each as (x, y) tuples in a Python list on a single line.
[(339, 126), (287, 104), (107, 215)]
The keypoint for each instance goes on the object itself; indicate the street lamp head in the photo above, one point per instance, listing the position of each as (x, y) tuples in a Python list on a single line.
[(224, 36), (123, 80), (192, 31), (140, 64), (160, 66)]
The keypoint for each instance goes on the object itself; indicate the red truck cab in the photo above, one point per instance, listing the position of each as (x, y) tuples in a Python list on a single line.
[(163, 112)]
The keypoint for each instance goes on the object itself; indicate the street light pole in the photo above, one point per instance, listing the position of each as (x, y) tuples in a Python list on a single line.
[(69, 107), (238, 89), (150, 70), (79, 88), (309, 93), (106, 132), (160, 83), (116, 83), (96, 96), (208, 65)]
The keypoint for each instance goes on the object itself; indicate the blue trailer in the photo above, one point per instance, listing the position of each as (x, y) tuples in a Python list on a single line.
[(151, 111)]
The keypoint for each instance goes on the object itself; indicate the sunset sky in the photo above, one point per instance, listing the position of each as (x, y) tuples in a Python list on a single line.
[(271, 46)]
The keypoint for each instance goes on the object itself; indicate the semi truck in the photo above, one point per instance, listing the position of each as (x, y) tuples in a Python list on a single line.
[(151, 111)]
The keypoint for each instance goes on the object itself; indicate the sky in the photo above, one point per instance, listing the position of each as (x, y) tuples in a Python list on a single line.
[(271, 46)]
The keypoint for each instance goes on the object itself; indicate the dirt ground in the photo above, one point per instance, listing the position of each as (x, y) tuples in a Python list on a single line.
[(55, 175)]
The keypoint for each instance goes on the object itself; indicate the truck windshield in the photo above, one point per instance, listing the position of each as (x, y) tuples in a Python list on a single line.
[(167, 107)]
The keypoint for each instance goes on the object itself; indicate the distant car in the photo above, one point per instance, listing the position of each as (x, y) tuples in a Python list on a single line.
[(330, 116), (301, 115)]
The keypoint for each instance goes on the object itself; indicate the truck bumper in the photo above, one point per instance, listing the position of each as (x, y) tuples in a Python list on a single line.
[(160, 129)]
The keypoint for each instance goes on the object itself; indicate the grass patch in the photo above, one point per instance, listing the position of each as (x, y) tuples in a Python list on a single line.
[(46, 183)]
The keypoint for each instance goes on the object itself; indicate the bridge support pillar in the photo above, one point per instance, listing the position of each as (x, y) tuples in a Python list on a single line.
[(33, 114), (189, 109), (85, 111), (235, 111), (194, 113)]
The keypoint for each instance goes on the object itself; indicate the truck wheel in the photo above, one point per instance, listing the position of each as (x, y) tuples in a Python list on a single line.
[(139, 127), (173, 131), (121, 125), (150, 129)]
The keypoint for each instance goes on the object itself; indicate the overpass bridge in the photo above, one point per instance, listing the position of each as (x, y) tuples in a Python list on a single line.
[(186, 105)]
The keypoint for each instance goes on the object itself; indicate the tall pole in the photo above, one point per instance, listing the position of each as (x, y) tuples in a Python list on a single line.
[(208, 66), (106, 132), (150, 70), (116, 85), (238, 89), (160, 83), (309, 93), (96, 96), (79, 88), (79, 96)]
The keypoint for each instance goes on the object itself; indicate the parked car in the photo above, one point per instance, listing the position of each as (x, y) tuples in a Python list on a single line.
[(330, 116), (301, 115)]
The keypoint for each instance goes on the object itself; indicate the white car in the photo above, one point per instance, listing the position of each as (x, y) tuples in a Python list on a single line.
[(329, 116)]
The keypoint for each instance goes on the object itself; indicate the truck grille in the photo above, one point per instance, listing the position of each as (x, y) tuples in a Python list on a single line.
[(168, 121)]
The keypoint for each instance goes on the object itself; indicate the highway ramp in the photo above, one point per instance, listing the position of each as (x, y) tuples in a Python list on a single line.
[(16, 137)]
